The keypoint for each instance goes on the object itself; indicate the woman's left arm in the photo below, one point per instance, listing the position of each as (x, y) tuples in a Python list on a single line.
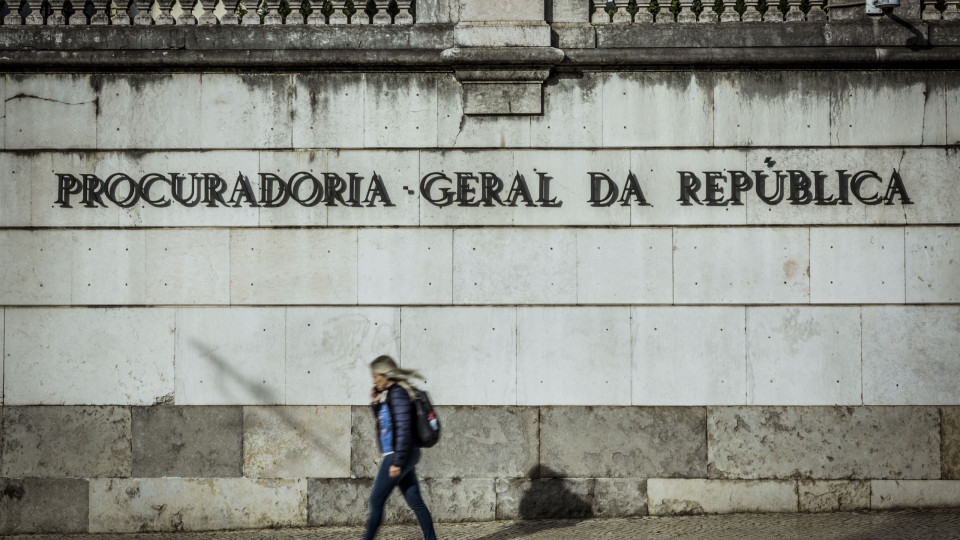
[(402, 412)]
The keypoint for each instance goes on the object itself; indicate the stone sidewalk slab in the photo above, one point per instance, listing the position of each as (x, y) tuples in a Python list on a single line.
[(904, 525)]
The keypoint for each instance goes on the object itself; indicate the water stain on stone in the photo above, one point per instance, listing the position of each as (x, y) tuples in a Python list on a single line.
[(790, 269)]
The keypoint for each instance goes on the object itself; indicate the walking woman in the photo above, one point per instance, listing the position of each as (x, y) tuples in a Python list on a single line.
[(391, 398)]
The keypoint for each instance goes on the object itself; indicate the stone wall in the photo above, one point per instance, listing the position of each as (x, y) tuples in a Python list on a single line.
[(203, 366)]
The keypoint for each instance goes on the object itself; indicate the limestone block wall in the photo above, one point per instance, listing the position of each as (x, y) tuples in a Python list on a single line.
[(203, 366)]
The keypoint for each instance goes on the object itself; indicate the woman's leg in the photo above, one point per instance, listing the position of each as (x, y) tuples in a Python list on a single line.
[(411, 492), (378, 497)]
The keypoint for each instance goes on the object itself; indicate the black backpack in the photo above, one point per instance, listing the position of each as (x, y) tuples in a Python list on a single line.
[(426, 428)]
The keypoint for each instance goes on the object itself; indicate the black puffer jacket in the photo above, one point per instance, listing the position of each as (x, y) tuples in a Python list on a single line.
[(401, 418)]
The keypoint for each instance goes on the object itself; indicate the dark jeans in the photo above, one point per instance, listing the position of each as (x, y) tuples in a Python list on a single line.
[(407, 482)]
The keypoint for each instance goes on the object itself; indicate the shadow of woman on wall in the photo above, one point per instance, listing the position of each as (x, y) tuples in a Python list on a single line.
[(548, 502)]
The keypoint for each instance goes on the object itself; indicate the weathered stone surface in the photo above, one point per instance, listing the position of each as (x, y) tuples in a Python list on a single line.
[(625, 442), (43, 505), (619, 497), (501, 34), (186, 267), (834, 495), (66, 442), (175, 98), (910, 355), (459, 499), (345, 501), (62, 356), (857, 96), (195, 504), (35, 272), (187, 441), (891, 494), (950, 443), (325, 109), (502, 442), (399, 110), (405, 266), (824, 442), (293, 266), (624, 266), (572, 112), (35, 103), (108, 268), (574, 36), (231, 103), (15, 189), (864, 265), (230, 356), (671, 368), (485, 370), (501, 10), (399, 172), (573, 356), (696, 496), (783, 108), (803, 356), (933, 264), (296, 442), (545, 498), (502, 98), (511, 266), (328, 352), (748, 265), (657, 109)]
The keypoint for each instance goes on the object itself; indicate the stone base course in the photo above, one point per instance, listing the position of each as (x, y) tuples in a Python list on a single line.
[(493, 463), (697, 496), (187, 441), (43, 505), (824, 442), (195, 504), (950, 441)]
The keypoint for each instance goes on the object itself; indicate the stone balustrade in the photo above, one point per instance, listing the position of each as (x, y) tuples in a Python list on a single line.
[(205, 12)]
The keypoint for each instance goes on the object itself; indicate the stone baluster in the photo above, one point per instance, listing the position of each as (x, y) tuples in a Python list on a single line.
[(165, 18), (405, 16), (208, 16), (622, 16), (686, 13), (708, 15), (101, 14), (643, 15), (752, 13), (121, 16), (270, 10), (34, 13), (381, 16), (57, 18), (186, 16), (73, 13), (952, 11), (793, 14), (729, 12), (599, 14), (930, 11), (816, 13), (338, 16), (144, 15)]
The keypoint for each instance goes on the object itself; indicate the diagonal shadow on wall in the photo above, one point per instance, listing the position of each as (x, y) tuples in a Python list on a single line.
[(262, 394), (547, 503)]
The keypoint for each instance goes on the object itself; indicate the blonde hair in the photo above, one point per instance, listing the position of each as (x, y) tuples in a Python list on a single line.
[(386, 366)]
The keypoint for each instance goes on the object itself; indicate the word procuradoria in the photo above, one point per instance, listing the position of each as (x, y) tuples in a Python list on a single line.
[(211, 190)]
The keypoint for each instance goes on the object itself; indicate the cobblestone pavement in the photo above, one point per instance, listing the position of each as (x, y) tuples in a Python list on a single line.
[(913, 524)]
